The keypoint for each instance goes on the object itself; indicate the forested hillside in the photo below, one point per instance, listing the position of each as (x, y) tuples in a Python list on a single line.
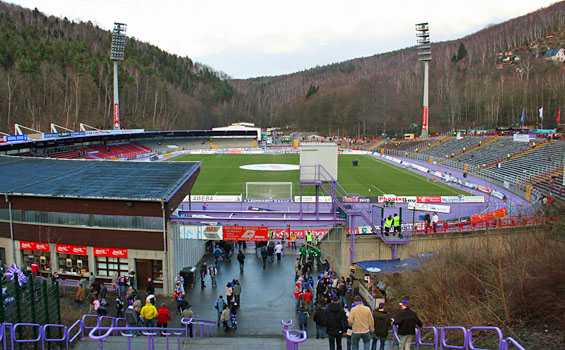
[(55, 70), (484, 79)]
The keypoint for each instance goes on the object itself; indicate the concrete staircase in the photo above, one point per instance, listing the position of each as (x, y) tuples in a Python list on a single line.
[(220, 343)]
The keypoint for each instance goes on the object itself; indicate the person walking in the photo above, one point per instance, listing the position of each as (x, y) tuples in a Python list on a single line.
[(382, 323), (203, 273), (298, 295), (308, 300), (303, 318), (163, 316), (241, 260), (361, 322), (229, 292), (237, 291), (264, 255), (302, 251), (217, 256), (212, 271), (80, 296), (278, 251), (188, 313), (271, 252), (219, 306), (225, 317), (335, 322), (318, 318), (406, 320)]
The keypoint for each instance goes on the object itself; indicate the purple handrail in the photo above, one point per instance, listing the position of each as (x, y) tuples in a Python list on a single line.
[(509, 341), (3, 333), (293, 337), (79, 333), (419, 337), (470, 336), (44, 339), (13, 338), (209, 325), (443, 338)]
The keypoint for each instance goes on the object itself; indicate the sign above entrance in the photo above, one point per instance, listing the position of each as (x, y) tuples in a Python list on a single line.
[(71, 249), (111, 252), (37, 246), (246, 233)]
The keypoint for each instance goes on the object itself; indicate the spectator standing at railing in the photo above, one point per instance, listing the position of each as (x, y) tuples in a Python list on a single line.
[(427, 221), (406, 320), (435, 219), (132, 318), (187, 313)]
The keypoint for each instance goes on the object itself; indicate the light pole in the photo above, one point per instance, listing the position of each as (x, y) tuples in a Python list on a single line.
[(425, 55), (117, 54)]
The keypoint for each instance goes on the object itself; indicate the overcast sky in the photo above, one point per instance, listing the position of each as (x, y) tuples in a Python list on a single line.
[(251, 38)]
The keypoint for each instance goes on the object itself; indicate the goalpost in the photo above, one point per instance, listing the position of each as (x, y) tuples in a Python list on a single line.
[(268, 190)]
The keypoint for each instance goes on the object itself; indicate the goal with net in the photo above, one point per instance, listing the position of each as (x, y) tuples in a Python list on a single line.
[(268, 190)]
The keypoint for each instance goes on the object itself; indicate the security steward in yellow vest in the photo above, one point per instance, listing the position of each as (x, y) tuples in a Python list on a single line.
[(308, 238), (388, 225), (396, 223)]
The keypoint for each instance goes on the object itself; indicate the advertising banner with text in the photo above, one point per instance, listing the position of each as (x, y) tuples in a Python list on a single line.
[(246, 233)]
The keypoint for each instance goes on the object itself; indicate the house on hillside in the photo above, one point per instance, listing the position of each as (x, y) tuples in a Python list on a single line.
[(557, 55)]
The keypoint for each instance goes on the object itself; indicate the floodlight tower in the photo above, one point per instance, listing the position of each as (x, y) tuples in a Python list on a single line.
[(117, 54), (425, 55)]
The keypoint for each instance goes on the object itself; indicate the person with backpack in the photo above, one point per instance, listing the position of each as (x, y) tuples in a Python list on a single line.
[(219, 306), (335, 321)]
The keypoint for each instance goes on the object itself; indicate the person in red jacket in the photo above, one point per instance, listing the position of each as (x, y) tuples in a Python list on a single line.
[(298, 295), (308, 300), (163, 316)]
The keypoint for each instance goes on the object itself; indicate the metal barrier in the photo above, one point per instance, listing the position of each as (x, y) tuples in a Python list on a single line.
[(293, 337)]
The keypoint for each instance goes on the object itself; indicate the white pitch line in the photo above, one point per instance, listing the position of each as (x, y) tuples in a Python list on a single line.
[(378, 189)]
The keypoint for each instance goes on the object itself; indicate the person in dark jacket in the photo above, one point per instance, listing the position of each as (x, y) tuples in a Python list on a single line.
[(319, 321), (406, 320), (303, 318), (241, 259), (271, 252), (335, 321), (264, 256), (382, 324), (150, 287)]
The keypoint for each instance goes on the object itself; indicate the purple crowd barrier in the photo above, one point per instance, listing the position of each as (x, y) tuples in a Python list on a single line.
[(293, 337), (509, 341), (45, 339), (444, 338), (204, 325), (15, 340), (495, 329), (419, 341)]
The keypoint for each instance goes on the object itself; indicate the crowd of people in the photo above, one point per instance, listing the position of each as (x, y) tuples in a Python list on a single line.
[(227, 308), (337, 313)]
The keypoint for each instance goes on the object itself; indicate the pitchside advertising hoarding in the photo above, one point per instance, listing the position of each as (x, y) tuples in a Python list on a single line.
[(246, 233)]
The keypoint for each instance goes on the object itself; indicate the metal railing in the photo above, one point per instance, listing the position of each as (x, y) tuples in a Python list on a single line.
[(99, 329), (293, 337)]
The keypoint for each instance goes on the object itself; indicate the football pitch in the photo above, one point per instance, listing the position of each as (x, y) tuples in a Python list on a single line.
[(220, 174)]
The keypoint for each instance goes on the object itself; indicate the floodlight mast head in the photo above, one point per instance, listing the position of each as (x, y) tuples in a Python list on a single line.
[(425, 55), (118, 42), (117, 53)]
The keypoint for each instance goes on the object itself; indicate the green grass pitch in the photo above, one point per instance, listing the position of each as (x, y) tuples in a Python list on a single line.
[(220, 174)]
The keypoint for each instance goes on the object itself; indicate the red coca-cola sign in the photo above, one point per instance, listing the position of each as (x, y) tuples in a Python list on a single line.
[(38, 246), (71, 249), (111, 252)]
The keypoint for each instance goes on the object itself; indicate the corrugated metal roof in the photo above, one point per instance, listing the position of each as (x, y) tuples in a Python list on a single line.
[(153, 181)]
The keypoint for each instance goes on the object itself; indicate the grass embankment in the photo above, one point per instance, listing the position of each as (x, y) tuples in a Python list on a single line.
[(519, 287)]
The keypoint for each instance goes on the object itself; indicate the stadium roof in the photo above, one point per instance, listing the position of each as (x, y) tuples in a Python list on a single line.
[(152, 181)]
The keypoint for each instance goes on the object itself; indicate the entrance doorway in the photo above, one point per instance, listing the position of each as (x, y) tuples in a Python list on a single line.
[(142, 270)]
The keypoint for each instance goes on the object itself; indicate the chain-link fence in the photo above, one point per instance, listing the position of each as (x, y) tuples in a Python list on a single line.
[(36, 302)]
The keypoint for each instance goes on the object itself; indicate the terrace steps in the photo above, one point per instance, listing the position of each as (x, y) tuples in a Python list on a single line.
[(475, 147), (518, 154)]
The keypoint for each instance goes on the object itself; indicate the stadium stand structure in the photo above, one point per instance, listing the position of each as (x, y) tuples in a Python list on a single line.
[(454, 146), (529, 164), (490, 152)]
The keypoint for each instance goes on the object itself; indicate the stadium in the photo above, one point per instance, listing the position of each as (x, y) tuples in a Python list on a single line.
[(471, 180)]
